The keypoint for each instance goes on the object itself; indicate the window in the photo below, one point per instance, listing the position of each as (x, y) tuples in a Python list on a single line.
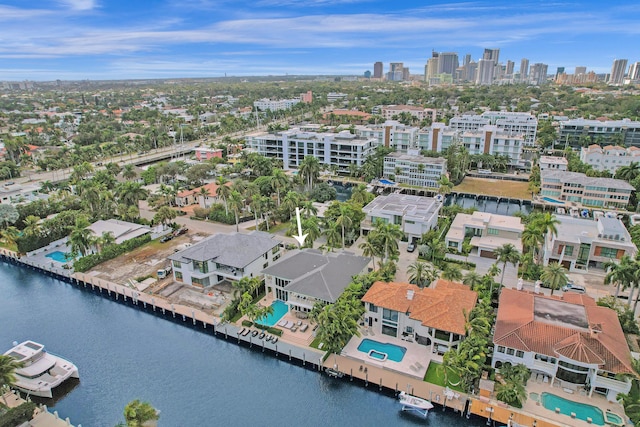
[(568, 250), (500, 349), (492, 232), (391, 315), (201, 266), (510, 351), (373, 308), (177, 264), (178, 275), (265, 265), (608, 252), (520, 353)]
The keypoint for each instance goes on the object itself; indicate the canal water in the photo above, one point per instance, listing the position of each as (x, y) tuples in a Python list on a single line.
[(194, 379), (489, 204)]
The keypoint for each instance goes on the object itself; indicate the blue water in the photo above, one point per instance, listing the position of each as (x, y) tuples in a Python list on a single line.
[(279, 310), (550, 200), (393, 352), (502, 207), (582, 410), (57, 256), (195, 379), (386, 182)]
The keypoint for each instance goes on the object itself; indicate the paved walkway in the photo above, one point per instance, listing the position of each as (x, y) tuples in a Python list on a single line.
[(42, 417)]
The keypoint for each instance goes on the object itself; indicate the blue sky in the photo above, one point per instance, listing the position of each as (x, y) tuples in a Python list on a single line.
[(116, 39)]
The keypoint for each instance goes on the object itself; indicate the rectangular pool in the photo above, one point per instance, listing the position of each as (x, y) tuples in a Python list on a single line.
[(386, 182), (280, 308), (550, 200), (58, 256), (382, 351), (567, 407)]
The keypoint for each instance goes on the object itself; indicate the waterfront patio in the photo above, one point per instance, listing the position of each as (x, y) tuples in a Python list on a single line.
[(414, 363)]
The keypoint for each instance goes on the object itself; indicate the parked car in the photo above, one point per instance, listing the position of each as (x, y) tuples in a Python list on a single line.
[(166, 238), (180, 231), (571, 287), (411, 247)]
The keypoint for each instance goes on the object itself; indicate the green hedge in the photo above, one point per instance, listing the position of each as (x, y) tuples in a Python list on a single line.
[(18, 415), (247, 323), (109, 252), (275, 331)]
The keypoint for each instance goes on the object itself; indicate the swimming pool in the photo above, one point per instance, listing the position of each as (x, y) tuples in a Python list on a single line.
[(550, 200), (386, 182), (58, 256), (279, 310), (376, 350), (582, 411)]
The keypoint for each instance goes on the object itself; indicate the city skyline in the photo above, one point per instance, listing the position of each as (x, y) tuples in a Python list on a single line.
[(99, 39)]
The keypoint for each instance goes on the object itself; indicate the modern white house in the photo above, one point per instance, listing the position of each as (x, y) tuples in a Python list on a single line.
[(433, 316), (121, 230), (563, 186), (414, 214), (575, 130), (609, 158), (582, 243), (486, 231), (225, 257), (570, 342), (303, 277), (553, 163), (414, 169), (275, 104)]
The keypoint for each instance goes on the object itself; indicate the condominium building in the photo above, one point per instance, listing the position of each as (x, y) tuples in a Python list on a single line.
[(336, 96), (414, 214), (487, 232), (581, 243), (420, 113), (413, 169), (448, 63), (588, 191), (609, 158), (275, 104), (513, 123), (524, 70), (538, 73), (391, 134), (553, 163), (574, 132), (332, 149), (634, 72), (570, 344), (485, 71), (378, 69), (617, 72), (396, 71)]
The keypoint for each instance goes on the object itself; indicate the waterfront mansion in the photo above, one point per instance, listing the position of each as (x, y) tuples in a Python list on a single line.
[(433, 316), (569, 342), (486, 231), (225, 257)]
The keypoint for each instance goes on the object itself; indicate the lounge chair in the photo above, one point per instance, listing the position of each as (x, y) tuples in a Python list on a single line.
[(419, 366), (304, 327), (282, 323), (242, 331), (299, 323), (294, 328), (274, 340), (289, 325)]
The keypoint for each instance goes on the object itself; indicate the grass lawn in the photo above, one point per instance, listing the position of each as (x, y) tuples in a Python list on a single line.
[(283, 226), (434, 376), (315, 343), (494, 187)]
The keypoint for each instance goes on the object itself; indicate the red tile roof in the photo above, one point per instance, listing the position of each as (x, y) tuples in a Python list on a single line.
[(212, 187), (443, 306), (599, 341)]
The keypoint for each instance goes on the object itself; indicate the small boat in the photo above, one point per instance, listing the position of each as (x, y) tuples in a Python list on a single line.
[(274, 340), (269, 337), (261, 336), (413, 403), (242, 331), (41, 371), (334, 373), (246, 332), (254, 333)]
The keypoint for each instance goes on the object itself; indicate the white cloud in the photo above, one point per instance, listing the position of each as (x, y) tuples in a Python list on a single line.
[(80, 5)]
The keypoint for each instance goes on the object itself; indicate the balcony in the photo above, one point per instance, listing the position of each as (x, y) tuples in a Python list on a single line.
[(612, 384), (545, 367)]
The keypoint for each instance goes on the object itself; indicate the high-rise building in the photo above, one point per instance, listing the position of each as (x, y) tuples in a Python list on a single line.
[(433, 65), (484, 75), (405, 73), (378, 68), (396, 72), (510, 67), (466, 60), (580, 70), (524, 70), (448, 63), (559, 70), (617, 72), (491, 54), (538, 73), (634, 71)]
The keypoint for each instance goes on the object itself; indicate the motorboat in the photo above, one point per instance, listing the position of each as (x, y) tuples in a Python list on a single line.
[(413, 403), (41, 371), (334, 373)]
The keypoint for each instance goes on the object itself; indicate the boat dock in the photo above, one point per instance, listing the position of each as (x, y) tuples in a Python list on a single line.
[(42, 417)]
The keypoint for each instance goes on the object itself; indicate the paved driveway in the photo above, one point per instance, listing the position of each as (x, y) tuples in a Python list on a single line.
[(484, 264)]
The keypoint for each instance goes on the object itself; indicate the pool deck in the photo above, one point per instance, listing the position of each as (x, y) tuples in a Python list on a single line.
[(596, 400), (414, 363)]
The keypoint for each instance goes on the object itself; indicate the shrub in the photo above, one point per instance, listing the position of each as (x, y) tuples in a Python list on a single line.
[(200, 213), (247, 323), (18, 415), (275, 331), (109, 252)]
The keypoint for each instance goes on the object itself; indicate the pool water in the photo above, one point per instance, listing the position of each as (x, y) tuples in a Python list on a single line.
[(393, 352), (279, 310), (58, 256), (386, 182), (582, 410), (550, 200), (613, 418)]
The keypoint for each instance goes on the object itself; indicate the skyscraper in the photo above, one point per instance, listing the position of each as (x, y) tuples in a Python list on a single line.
[(634, 71), (510, 66), (580, 70), (559, 70), (491, 54), (617, 72), (433, 64), (466, 60), (378, 68), (396, 72), (485, 71), (448, 63), (539, 73), (524, 70)]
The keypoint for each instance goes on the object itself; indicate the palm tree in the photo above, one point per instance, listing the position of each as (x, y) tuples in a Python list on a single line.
[(131, 192), (129, 172), (344, 220), (512, 393), (310, 171), (236, 203), (630, 172), (279, 182), (434, 247), (308, 208), (532, 237), (507, 254), (452, 272), (332, 233), (204, 193), (472, 279), (621, 273), (311, 227), (554, 275), (137, 414), (164, 215), (80, 239), (445, 186), (360, 195), (370, 250), (420, 273), (386, 236), (10, 235), (8, 367), (223, 192), (290, 202), (31, 226), (547, 223)]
